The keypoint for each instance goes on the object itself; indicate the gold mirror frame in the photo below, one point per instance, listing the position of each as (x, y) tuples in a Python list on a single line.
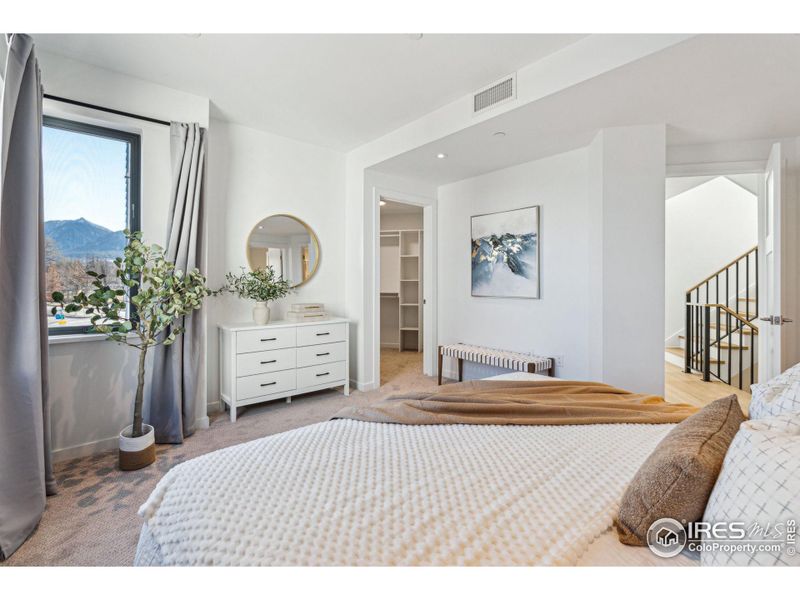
[(312, 234)]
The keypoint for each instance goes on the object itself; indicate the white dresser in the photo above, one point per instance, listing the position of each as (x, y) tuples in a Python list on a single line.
[(259, 363)]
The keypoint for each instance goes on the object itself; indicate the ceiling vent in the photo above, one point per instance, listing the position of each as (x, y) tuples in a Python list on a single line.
[(494, 94)]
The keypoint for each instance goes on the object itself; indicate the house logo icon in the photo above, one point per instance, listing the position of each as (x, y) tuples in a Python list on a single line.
[(666, 538)]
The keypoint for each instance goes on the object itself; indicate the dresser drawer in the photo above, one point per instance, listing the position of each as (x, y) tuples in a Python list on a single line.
[(310, 376), (266, 384), (265, 339), (253, 363), (321, 334), (321, 354)]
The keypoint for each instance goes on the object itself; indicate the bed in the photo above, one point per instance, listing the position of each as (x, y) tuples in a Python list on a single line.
[(347, 492)]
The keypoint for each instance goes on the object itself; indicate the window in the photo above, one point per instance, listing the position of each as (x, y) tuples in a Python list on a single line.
[(91, 194)]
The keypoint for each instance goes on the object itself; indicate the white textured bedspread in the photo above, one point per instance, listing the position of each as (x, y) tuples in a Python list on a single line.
[(355, 493)]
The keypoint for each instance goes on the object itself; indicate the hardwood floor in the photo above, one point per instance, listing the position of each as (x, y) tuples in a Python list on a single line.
[(690, 389)]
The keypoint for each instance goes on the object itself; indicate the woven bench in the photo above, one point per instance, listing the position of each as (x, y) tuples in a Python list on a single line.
[(519, 361)]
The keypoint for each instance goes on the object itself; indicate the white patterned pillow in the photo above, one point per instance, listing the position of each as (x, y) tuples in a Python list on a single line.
[(759, 486), (778, 396)]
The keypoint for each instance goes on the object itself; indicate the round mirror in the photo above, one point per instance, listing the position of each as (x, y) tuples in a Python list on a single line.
[(286, 244)]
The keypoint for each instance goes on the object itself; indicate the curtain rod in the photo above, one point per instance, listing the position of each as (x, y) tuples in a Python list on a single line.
[(108, 110)]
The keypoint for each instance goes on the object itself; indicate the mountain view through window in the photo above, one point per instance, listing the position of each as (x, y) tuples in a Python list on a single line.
[(86, 198)]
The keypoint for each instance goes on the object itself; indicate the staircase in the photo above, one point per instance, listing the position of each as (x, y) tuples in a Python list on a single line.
[(719, 341)]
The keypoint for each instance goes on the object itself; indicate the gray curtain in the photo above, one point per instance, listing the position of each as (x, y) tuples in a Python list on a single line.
[(26, 473), (178, 380)]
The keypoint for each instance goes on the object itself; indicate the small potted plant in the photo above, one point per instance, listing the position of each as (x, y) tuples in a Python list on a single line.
[(261, 285), (160, 296)]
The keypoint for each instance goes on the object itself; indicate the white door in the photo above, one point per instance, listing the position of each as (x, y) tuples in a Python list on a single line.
[(769, 258)]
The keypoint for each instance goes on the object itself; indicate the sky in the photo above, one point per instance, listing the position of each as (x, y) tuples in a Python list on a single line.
[(84, 176)]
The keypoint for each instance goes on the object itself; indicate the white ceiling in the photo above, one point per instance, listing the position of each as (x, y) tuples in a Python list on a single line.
[(678, 185), (710, 88), (399, 208), (338, 91)]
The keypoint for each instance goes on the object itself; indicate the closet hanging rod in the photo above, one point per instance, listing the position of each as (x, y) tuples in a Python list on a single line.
[(114, 111)]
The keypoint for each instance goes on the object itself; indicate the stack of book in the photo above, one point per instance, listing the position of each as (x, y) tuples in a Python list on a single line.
[(310, 311)]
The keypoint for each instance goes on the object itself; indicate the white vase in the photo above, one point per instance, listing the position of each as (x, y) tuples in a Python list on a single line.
[(261, 313)]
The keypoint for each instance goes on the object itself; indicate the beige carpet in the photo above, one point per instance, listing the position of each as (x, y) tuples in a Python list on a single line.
[(93, 521)]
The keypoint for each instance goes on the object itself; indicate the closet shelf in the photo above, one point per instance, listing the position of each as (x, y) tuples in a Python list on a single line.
[(409, 304), (416, 280), (409, 256), (409, 329)]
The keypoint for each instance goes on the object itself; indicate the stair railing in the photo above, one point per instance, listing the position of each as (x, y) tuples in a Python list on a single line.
[(710, 305), (708, 326)]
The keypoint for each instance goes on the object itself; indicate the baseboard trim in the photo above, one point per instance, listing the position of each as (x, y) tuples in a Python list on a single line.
[(202, 423), (87, 449), (362, 386)]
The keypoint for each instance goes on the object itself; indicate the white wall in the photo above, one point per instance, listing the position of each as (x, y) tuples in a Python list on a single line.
[(581, 61), (706, 227), (92, 383), (253, 174), (557, 323), (396, 221), (626, 254)]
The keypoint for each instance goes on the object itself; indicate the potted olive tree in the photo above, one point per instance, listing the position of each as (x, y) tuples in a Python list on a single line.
[(160, 296), (262, 285)]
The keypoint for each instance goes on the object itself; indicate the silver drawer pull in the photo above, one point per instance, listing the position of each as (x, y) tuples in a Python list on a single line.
[(325, 333), (268, 339), (268, 362), (323, 353), (266, 384), (323, 374)]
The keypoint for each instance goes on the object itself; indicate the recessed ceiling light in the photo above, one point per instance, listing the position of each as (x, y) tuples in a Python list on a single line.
[(414, 36), (382, 203), (441, 155), (499, 134), (261, 227)]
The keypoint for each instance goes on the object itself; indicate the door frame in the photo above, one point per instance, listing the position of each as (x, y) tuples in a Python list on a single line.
[(429, 278), (770, 338), (721, 169)]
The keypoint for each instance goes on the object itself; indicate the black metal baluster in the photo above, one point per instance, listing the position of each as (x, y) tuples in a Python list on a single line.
[(736, 291), (687, 348), (707, 343), (727, 288), (719, 358), (730, 343), (741, 363), (698, 340), (746, 293)]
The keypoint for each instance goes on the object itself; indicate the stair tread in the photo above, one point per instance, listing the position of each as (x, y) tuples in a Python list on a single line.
[(744, 299), (679, 352), (744, 330), (724, 345)]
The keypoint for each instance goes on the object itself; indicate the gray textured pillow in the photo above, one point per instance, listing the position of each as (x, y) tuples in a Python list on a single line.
[(677, 478)]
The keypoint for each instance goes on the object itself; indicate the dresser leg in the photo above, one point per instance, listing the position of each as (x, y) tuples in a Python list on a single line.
[(288, 399), (347, 388), (233, 413)]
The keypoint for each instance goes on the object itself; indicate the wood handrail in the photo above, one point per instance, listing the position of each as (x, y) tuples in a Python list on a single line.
[(725, 268), (735, 315)]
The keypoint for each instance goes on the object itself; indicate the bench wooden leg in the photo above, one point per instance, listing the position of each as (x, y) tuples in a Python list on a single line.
[(461, 369), (440, 365)]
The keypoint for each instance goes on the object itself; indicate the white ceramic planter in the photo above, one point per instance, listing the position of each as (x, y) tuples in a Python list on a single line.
[(136, 452), (261, 313)]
